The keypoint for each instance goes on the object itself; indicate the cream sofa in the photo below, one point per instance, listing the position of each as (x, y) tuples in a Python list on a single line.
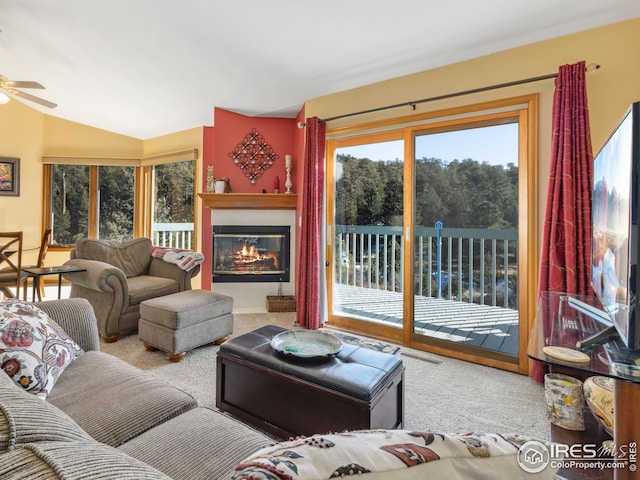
[(105, 419), (119, 276)]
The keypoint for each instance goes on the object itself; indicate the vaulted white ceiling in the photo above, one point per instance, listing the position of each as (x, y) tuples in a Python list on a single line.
[(145, 68)]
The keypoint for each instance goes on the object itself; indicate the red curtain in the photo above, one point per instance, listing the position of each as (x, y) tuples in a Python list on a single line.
[(566, 243), (310, 283)]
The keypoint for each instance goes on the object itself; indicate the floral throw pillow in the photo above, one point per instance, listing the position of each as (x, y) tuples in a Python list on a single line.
[(34, 350)]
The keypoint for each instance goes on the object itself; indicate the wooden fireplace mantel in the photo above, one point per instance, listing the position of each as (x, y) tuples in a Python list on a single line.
[(249, 201)]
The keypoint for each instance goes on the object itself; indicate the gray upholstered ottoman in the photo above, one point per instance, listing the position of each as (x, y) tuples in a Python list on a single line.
[(185, 320)]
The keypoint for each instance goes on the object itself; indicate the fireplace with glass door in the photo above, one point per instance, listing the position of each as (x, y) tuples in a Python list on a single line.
[(249, 253)]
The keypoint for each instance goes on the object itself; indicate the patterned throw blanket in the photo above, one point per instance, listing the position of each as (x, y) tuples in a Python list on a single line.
[(392, 454), (185, 259)]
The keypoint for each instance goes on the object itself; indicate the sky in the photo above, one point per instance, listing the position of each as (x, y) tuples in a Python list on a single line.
[(496, 145)]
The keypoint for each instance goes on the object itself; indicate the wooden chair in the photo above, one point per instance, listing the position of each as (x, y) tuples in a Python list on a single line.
[(11, 274), (39, 282)]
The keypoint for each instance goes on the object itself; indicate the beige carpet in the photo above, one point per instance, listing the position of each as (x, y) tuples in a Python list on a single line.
[(441, 394)]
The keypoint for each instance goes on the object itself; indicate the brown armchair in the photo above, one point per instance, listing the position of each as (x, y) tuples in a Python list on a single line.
[(118, 277)]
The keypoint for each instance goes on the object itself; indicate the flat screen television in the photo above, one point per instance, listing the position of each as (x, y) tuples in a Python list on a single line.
[(615, 229)]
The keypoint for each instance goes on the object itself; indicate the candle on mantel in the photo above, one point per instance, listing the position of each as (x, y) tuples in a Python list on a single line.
[(276, 185), (287, 160)]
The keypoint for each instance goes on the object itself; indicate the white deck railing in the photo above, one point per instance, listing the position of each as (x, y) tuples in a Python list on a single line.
[(473, 265), (173, 235)]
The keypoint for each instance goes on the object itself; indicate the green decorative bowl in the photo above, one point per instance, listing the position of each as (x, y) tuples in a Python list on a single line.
[(306, 344)]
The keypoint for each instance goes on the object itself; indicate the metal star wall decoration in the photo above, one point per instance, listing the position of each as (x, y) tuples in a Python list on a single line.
[(253, 155)]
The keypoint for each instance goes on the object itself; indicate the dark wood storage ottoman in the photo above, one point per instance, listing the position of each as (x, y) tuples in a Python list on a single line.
[(357, 389)]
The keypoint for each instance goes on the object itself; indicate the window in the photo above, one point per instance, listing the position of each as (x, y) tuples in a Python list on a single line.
[(72, 189), (70, 202), (116, 201), (122, 199), (173, 191)]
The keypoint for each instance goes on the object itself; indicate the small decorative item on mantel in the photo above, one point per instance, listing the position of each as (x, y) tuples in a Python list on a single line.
[(222, 185), (276, 185), (287, 166), (216, 185), (209, 187)]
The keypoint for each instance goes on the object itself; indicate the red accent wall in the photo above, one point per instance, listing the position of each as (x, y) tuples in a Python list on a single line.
[(229, 129)]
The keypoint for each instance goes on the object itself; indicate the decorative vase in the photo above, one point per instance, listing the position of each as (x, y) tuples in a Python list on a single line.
[(598, 392), (219, 186), (210, 180), (565, 401)]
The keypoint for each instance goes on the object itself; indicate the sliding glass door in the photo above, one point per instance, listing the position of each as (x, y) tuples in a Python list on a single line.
[(366, 237), (466, 237), (429, 227)]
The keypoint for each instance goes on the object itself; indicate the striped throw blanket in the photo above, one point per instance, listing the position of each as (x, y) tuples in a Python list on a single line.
[(185, 259)]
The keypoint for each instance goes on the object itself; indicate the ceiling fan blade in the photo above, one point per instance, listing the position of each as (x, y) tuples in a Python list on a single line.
[(22, 84), (32, 98)]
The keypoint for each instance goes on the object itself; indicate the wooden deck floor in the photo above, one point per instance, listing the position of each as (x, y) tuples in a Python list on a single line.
[(484, 326)]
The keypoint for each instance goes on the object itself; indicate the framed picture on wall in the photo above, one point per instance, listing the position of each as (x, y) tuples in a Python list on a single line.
[(10, 176)]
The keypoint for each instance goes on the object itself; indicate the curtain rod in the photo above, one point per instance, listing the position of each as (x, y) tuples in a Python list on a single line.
[(412, 104)]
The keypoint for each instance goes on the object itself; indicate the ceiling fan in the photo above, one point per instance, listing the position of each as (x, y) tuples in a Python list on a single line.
[(11, 88)]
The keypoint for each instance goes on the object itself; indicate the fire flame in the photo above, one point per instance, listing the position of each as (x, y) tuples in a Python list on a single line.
[(249, 254)]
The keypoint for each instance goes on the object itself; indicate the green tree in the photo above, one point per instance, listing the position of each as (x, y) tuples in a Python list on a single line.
[(117, 192), (174, 187), (70, 201), (461, 194)]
